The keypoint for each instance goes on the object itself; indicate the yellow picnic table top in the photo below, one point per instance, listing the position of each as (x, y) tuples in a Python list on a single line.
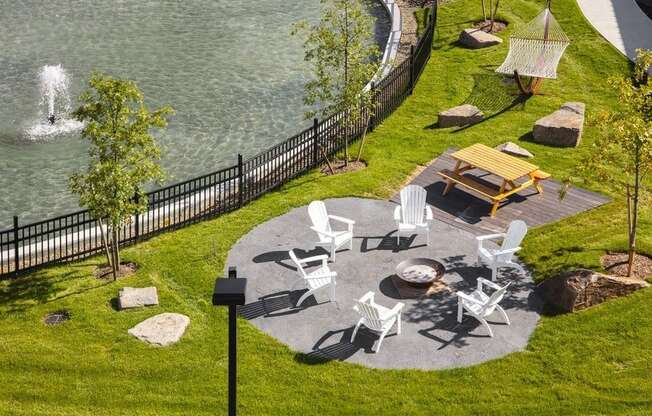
[(493, 161)]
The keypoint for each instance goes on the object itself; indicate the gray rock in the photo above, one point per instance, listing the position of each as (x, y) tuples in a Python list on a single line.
[(579, 289), (137, 297), (513, 149), (163, 329), (460, 116), (562, 128), (476, 39)]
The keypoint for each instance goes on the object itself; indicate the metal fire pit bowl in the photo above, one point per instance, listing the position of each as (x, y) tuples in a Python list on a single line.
[(420, 271)]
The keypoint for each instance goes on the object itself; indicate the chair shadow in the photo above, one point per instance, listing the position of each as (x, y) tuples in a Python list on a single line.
[(388, 243), (282, 257), (342, 349), (277, 304), (460, 332)]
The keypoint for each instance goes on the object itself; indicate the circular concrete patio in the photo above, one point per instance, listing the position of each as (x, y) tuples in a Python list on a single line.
[(320, 330)]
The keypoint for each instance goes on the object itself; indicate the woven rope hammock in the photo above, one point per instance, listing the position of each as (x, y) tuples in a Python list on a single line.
[(535, 51)]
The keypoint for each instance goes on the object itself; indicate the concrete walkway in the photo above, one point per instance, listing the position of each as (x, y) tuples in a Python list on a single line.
[(621, 22), (320, 330)]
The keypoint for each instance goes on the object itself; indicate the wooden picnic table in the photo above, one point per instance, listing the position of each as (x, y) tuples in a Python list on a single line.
[(509, 168)]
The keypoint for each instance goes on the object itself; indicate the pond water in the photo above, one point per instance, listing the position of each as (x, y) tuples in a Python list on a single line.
[(230, 69)]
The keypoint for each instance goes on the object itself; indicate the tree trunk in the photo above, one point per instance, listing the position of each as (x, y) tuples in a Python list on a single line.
[(114, 246), (493, 16), (634, 219), (328, 162), (346, 140), (484, 12), (346, 80), (105, 243), (364, 137)]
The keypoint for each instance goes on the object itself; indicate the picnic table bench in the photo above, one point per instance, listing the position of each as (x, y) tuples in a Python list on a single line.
[(509, 168)]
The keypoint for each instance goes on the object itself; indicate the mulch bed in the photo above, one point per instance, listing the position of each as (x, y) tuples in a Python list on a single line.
[(340, 167), (499, 26), (616, 263), (126, 269)]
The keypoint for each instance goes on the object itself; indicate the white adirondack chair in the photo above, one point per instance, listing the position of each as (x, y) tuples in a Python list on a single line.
[(321, 224), (480, 305), (321, 278), (376, 317), (503, 256), (413, 216)]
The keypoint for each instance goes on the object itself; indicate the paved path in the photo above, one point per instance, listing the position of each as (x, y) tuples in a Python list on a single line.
[(621, 22), (320, 330)]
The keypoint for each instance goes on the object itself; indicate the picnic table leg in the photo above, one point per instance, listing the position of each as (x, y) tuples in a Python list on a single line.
[(538, 187), (449, 183), (494, 208), (496, 203)]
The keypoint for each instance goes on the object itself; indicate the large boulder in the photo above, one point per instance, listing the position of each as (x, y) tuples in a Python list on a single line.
[(562, 128), (579, 289), (162, 330), (137, 297), (460, 116), (476, 39), (513, 149)]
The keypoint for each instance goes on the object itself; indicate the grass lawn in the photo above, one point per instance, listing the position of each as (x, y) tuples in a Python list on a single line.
[(594, 362)]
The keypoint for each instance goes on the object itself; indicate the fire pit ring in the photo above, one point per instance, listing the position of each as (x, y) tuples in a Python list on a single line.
[(420, 272)]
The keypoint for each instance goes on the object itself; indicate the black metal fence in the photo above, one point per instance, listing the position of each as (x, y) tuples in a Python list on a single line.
[(77, 235)]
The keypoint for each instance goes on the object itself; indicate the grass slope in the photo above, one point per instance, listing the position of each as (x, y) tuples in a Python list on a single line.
[(591, 363)]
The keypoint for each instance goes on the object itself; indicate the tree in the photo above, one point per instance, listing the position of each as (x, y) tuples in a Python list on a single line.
[(493, 10), (343, 58), (625, 143), (123, 155)]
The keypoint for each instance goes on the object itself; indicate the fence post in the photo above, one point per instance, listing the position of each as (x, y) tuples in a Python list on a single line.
[(372, 116), (315, 144), (240, 174), (137, 218), (411, 69), (433, 15), (16, 259)]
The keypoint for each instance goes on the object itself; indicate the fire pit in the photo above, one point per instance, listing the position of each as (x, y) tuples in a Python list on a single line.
[(420, 272)]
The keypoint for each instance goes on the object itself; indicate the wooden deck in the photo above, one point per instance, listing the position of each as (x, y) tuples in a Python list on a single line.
[(463, 209)]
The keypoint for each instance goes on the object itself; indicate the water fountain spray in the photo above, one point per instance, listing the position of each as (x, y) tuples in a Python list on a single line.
[(54, 105), (54, 90)]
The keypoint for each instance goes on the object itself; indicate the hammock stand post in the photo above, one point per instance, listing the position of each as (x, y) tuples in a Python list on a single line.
[(532, 87)]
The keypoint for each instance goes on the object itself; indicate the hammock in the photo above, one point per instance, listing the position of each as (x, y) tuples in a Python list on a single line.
[(536, 48)]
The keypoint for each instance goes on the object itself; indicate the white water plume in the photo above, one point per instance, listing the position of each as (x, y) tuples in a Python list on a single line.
[(54, 104)]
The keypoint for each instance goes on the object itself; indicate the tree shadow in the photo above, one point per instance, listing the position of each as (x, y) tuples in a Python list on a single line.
[(440, 310), (20, 293)]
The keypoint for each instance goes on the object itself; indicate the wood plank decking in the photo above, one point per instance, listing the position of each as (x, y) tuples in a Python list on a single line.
[(463, 209)]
